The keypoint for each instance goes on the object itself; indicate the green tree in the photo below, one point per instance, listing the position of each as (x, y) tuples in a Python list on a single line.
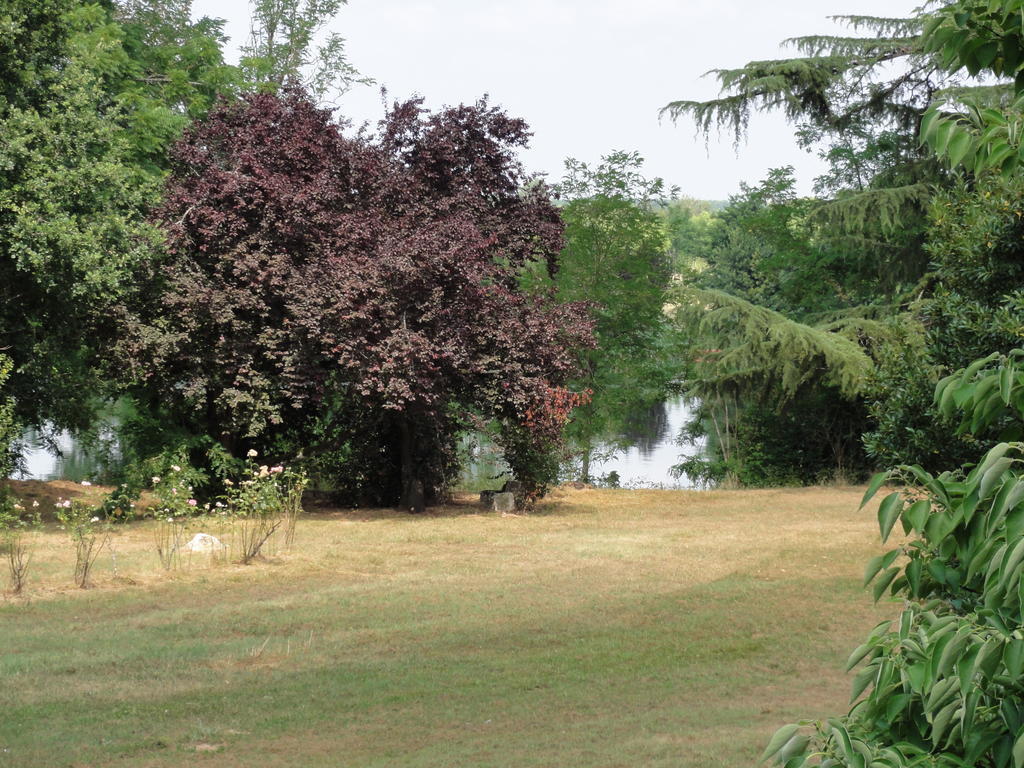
[(768, 251), (282, 48), (691, 227), (857, 252), (617, 257), (72, 230), (860, 99), (162, 68), (778, 400), (32, 46), (972, 307), (92, 100)]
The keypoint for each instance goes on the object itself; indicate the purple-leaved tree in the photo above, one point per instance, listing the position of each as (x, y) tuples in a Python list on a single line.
[(356, 299)]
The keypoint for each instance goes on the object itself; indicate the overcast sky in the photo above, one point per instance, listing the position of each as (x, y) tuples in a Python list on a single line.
[(588, 76)]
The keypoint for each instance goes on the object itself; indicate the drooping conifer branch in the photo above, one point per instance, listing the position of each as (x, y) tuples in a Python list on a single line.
[(835, 79), (763, 354)]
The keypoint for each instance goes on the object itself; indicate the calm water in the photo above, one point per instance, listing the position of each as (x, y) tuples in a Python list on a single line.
[(653, 449), (72, 462), (651, 453), (646, 462)]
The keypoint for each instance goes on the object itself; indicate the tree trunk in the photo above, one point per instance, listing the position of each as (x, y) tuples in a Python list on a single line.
[(585, 469), (412, 499)]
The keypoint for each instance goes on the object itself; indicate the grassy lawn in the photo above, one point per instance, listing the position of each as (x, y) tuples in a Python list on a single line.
[(609, 628)]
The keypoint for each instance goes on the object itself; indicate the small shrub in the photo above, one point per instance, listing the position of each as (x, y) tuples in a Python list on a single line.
[(174, 513), (266, 499), (294, 484), (168, 538), (16, 528), (88, 533)]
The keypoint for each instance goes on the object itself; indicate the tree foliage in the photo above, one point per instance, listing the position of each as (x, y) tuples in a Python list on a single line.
[(163, 69), (766, 246), (859, 253), (93, 96), (755, 374), (616, 257), (861, 99), (761, 346), (939, 685), (283, 48), (767, 251), (72, 228), (691, 226), (33, 45), (366, 290), (971, 308), (836, 83)]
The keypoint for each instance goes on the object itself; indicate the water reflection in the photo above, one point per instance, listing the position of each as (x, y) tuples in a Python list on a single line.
[(641, 457), (647, 429), (650, 449), (60, 456)]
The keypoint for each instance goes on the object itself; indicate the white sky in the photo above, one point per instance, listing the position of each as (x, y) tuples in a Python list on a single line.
[(589, 77)]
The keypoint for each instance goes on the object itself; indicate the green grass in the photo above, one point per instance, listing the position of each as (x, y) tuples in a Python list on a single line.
[(607, 629)]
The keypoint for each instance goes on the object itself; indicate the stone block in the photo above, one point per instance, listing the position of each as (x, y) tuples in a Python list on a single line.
[(504, 502)]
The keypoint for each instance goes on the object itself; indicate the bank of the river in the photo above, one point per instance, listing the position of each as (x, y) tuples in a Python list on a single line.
[(653, 628)]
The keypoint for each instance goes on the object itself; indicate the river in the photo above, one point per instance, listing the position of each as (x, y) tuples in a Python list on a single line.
[(647, 451), (646, 462), (653, 449)]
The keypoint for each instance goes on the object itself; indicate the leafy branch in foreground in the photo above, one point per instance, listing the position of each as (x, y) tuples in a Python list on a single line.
[(941, 685), (980, 128)]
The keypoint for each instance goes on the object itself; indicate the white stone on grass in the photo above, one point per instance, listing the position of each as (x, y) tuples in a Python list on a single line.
[(204, 542)]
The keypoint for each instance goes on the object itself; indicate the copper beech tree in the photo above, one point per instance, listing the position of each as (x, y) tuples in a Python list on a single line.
[(357, 299)]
